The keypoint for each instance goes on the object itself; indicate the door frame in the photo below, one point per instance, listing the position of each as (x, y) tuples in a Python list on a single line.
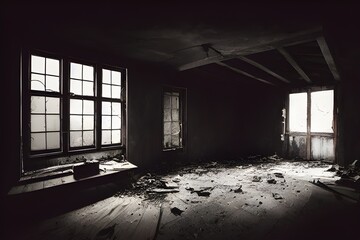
[(308, 133)]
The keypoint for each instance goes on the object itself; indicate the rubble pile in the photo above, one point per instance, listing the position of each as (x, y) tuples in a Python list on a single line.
[(350, 176)]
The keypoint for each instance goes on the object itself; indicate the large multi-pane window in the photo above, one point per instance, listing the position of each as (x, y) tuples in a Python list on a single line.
[(172, 119), (72, 106)]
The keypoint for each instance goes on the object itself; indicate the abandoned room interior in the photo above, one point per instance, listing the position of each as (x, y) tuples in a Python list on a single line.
[(180, 121)]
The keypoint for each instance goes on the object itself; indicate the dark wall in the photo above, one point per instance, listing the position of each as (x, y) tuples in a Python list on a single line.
[(344, 43), (225, 118)]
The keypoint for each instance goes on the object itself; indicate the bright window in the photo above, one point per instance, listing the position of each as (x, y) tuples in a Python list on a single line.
[(71, 106), (298, 112), (172, 120)]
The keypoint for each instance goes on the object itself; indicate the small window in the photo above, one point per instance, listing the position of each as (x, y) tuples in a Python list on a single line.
[(172, 120)]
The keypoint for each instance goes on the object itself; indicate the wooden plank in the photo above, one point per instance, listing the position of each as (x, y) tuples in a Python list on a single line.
[(53, 182), (294, 64), (244, 73), (31, 187), (16, 190), (328, 57), (263, 68)]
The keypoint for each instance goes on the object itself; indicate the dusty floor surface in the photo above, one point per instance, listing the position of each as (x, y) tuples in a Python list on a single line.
[(262, 201)]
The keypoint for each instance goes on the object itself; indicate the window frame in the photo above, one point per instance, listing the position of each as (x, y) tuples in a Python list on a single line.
[(29, 157), (182, 117), (122, 102)]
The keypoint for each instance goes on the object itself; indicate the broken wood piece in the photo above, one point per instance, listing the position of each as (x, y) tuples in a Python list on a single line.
[(171, 185), (162, 190)]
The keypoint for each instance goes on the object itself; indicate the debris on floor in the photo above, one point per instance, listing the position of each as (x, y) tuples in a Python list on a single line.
[(271, 181), (238, 190), (278, 175), (277, 196), (256, 179), (176, 211)]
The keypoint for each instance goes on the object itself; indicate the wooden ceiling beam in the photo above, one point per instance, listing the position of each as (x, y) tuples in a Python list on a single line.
[(295, 39), (328, 57), (263, 68), (294, 64), (244, 73)]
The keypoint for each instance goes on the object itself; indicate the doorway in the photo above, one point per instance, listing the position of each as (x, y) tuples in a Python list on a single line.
[(310, 127)]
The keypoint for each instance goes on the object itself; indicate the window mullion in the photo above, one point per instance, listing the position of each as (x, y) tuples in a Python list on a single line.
[(66, 105)]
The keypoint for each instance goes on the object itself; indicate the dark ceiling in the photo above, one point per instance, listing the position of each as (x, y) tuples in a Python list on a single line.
[(242, 38)]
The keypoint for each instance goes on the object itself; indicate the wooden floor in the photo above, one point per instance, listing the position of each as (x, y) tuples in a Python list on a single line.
[(305, 210)]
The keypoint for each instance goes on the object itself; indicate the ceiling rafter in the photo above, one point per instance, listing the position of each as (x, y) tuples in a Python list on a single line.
[(328, 57), (294, 64), (298, 38), (244, 73), (263, 68)]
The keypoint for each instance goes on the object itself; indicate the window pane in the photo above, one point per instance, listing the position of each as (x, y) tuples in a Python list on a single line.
[(106, 108), (52, 122), (167, 141), (37, 64), (37, 82), (322, 106), (52, 83), (116, 122), (75, 87), (167, 114), (115, 77), (75, 106), (75, 70), (175, 102), (88, 107), (75, 139), (88, 122), (37, 123), (106, 91), (167, 128), (106, 76), (167, 100), (298, 112), (38, 141), (88, 88), (53, 140), (175, 128), (37, 104), (115, 136), (88, 139), (116, 109), (52, 66), (115, 92), (75, 122), (175, 141), (175, 115), (88, 73), (106, 137), (52, 105), (106, 122)]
